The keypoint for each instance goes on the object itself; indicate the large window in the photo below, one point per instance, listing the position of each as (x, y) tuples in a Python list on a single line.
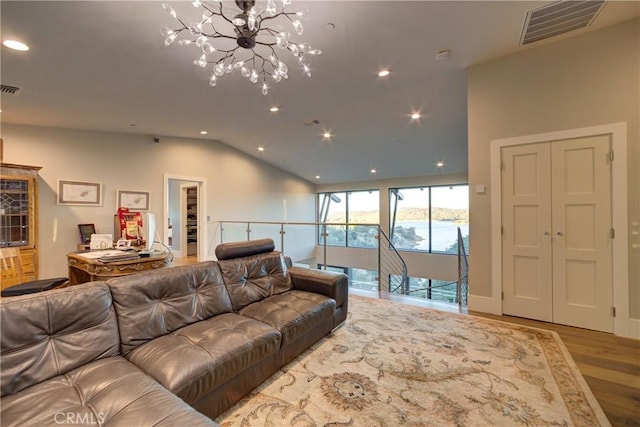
[(427, 218), (353, 207)]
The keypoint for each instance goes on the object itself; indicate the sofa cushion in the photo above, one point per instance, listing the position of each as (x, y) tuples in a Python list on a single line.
[(196, 359), (244, 249), (292, 313), (155, 303), (51, 333), (254, 278), (110, 391)]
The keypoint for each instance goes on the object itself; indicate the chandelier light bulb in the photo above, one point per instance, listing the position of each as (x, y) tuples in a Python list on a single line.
[(257, 32), (170, 10)]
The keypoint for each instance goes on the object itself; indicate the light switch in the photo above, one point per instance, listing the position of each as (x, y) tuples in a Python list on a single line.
[(481, 189)]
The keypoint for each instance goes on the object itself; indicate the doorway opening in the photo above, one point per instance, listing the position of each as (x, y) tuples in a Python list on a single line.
[(185, 218)]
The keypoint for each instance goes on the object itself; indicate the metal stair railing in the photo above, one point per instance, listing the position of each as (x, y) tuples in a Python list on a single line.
[(463, 272), (392, 269)]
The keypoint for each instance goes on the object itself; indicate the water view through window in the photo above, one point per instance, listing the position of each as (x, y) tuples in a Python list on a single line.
[(427, 218)]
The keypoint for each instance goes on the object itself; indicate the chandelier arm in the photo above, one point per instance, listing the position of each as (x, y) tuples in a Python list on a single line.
[(266, 44), (218, 35), (220, 13), (277, 15)]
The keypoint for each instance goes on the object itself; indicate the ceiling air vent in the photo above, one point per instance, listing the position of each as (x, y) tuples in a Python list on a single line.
[(9, 90), (558, 18)]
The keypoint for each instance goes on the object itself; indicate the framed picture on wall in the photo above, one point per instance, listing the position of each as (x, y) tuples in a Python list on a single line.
[(80, 193), (133, 200)]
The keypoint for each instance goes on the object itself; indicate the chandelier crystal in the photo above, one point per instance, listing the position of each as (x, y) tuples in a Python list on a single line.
[(243, 41)]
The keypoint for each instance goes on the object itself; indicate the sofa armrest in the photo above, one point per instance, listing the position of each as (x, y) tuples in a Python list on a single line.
[(334, 285)]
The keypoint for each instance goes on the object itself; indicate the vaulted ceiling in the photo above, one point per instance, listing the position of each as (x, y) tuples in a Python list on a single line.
[(103, 66)]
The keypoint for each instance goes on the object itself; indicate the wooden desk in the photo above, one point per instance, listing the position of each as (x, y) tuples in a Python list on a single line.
[(82, 270)]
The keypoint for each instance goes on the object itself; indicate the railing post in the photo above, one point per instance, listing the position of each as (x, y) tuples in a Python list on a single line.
[(380, 265), (282, 233), (221, 232), (248, 231), (324, 238)]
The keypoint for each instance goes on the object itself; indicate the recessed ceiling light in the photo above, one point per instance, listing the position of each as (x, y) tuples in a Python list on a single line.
[(203, 132), (274, 109), (261, 148), (384, 73), (317, 176), (373, 171), (327, 134), (15, 45), (415, 116), (440, 164)]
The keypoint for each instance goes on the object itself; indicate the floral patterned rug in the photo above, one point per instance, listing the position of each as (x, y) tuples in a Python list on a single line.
[(399, 365)]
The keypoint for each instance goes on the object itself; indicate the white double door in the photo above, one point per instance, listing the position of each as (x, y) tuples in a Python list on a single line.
[(557, 235)]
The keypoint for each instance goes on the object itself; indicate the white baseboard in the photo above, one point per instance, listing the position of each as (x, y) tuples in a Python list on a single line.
[(481, 304), (633, 329)]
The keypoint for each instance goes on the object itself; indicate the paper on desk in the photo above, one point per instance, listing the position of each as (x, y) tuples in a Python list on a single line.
[(100, 254)]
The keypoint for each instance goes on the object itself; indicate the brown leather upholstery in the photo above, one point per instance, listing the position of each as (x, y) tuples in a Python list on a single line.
[(108, 391), (49, 334), (159, 302), (254, 278), (194, 360), (244, 249), (292, 313), (332, 284), (208, 332), (60, 365)]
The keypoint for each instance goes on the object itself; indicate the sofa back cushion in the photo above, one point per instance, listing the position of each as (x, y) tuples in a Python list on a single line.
[(51, 333), (244, 248), (155, 303), (253, 278)]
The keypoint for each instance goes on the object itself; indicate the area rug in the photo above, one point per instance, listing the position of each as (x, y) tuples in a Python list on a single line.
[(399, 365)]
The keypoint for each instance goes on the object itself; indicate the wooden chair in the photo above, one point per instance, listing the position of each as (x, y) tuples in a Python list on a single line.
[(12, 276)]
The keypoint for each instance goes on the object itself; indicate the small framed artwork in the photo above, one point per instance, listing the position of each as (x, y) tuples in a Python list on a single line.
[(79, 193), (86, 230), (133, 200)]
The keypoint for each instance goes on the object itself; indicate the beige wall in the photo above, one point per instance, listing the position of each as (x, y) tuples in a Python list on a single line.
[(584, 81), (239, 186)]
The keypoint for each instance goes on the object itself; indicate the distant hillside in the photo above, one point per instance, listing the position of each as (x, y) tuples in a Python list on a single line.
[(408, 214)]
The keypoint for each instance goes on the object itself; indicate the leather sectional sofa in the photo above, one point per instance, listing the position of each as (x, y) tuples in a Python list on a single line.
[(162, 348)]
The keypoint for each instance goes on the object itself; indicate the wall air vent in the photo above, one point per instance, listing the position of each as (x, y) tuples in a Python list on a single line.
[(9, 90), (558, 18)]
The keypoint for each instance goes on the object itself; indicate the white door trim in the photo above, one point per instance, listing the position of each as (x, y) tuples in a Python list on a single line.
[(202, 203), (623, 325)]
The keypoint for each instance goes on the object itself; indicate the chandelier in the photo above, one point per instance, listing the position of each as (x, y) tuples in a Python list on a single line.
[(243, 41)]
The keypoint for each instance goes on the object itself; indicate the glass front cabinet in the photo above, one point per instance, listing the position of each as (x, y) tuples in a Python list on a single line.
[(19, 214)]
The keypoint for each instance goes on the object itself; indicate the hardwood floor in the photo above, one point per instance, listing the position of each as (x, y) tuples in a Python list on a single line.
[(184, 261), (609, 364)]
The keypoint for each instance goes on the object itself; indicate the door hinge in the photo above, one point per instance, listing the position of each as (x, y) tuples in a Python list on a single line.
[(613, 233), (502, 296), (613, 311), (611, 156)]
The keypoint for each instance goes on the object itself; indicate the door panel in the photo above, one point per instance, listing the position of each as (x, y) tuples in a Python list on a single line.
[(526, 240), (582, 247)]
